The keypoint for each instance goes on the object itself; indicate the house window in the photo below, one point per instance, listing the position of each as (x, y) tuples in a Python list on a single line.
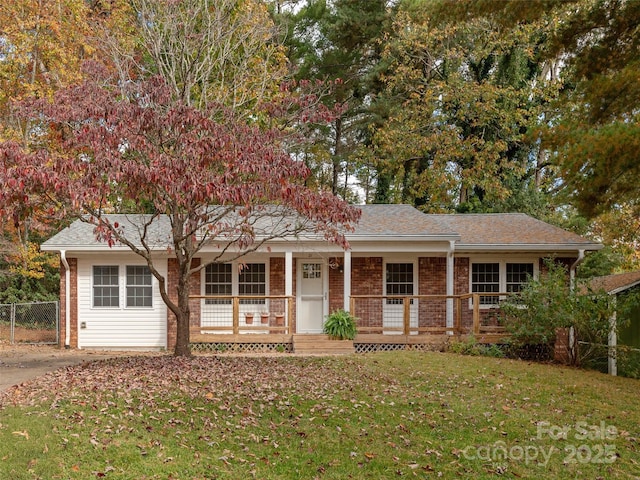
[(517, 275), (399, 281), (105, 286), (217, 281), (139, 289), (252, 281), (485, 278), (499, 277)]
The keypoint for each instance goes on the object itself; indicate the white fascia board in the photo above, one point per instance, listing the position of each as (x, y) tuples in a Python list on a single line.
[(402, 238), (528, 247), (624, 288), (72, 250)]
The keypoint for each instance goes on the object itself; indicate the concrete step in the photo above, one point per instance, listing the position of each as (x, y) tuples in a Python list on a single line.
[(310, 344)]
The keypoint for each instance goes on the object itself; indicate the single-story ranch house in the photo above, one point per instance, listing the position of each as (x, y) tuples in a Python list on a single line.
[(407, 276)]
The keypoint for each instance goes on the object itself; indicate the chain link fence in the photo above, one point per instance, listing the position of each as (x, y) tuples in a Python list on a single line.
[(35, 322)]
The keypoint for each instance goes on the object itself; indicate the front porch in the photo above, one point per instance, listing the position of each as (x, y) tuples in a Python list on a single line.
[(419, 322)]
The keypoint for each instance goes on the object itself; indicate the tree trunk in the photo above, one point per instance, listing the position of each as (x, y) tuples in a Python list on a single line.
[(183, 344)]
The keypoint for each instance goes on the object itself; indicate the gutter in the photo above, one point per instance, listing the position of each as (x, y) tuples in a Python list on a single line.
[(528, 247), (67, 299)]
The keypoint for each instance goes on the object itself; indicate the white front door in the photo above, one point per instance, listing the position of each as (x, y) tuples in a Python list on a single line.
[(311, 298)]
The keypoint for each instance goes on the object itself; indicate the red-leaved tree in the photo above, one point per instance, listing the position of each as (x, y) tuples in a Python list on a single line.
[(210, 176)]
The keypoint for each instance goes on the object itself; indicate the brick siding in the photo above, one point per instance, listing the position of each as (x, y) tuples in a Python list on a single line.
[(73, 270)]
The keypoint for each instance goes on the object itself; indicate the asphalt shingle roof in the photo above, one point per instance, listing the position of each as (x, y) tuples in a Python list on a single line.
[(615, 283), (509, 229), (392, 221)]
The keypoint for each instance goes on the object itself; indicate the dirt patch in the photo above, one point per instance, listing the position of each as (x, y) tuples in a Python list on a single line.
[(20, 363), (27, 335)]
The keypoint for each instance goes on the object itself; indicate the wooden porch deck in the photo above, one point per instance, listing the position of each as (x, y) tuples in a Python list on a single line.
[(278, 337)]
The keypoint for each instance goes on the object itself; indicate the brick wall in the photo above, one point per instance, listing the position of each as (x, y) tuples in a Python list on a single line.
[(432, 280), (336, 289), (277, 284), (366, 279), (73, 270)]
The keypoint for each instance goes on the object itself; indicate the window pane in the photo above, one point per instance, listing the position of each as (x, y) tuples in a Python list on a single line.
[(139, 290), (105, 286), (517, 275), (252, 281), (217, 281), (485, 277), (399, 281)]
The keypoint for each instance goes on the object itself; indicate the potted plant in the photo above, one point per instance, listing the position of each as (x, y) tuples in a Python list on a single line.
[(264, 318), (340, 325), (248, 318)]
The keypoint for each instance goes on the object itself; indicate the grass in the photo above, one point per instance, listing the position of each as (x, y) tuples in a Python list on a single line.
[(384, 415)]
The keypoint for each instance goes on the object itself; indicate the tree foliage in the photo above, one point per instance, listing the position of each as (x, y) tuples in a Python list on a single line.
[(596, 134), (215, 180), (466, 98), (223, 51), (339, 42)]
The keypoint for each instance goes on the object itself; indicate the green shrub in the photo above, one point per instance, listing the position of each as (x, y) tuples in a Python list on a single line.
[(547, 303), (473, 348), (341, 325)]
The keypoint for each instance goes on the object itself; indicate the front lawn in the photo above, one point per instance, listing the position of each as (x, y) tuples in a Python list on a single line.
[(385, 415)]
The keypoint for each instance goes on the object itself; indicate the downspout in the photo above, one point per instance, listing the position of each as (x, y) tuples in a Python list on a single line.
[(450, 282), (572, 270), (67, 299)]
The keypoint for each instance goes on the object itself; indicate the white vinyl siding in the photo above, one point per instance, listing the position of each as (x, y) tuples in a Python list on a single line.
[(141, 324)]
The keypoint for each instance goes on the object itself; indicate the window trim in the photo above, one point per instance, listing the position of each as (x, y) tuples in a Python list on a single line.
[(502, 273), (235, 278), (122, 286), (209, 301), (116, 285), (145, 286), (415, 279)]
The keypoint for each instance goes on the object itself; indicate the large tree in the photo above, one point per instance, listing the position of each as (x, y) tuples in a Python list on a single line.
[(465, 98), (596, 135), (339, 41), (206, 172)]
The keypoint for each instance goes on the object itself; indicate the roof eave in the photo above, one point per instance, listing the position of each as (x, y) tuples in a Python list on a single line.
[(528, 247), (402, 238)]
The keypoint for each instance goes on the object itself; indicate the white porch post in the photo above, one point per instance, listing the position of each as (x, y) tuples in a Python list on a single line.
[(450, 282), (288, 273), (347, 280)]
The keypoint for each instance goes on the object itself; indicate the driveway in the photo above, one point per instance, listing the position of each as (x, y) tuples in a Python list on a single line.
[(19, 363)]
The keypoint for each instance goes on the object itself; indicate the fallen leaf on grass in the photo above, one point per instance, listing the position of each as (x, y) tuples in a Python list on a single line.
[(24, 434)]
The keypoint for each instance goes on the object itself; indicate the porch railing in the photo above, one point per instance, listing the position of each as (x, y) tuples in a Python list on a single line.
[(427, 314), (259, 314), (376, 314)]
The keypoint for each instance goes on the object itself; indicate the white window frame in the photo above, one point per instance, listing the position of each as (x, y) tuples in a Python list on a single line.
[(122, 287), (502, 274), (117, 286), (205, 283), (145, 286), (235, 278), (246, 270), (395, 261)]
